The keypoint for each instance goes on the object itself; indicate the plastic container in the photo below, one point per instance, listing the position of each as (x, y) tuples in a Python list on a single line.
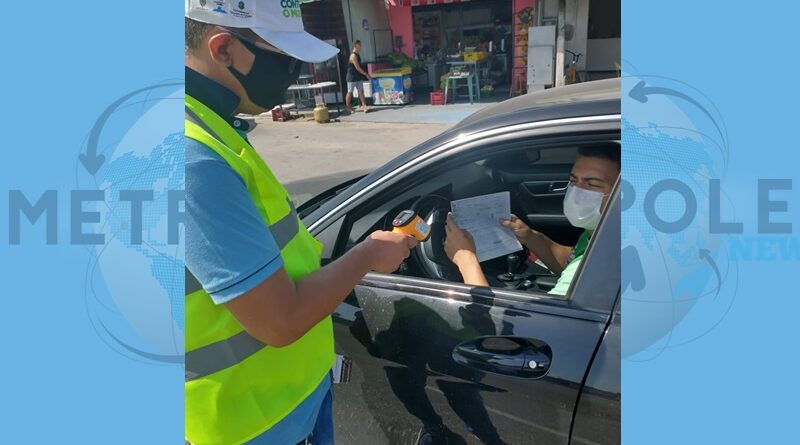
[(321, 114), (473, 56), (279, 114), (437, 97)]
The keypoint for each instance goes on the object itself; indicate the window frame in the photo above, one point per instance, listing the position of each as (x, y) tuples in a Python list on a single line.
[(593, 291), (564, 132)]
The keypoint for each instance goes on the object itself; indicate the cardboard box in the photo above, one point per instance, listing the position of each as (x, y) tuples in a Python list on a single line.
[(473, 56)]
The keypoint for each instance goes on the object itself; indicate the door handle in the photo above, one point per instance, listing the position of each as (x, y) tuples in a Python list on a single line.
[(511, 356), (558, 186)]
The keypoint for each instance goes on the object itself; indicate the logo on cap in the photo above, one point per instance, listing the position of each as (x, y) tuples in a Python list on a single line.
[(291, 8), (220, 6), (242, 12)]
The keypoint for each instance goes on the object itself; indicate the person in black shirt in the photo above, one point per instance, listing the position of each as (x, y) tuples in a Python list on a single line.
[(355, 78)]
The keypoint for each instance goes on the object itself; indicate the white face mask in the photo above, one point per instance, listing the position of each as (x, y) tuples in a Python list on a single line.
[(582, 207)]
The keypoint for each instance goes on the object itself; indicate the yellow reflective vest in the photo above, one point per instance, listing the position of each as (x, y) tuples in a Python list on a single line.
[(236, 386)]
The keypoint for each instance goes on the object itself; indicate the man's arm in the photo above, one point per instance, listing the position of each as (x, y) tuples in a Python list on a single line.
[(239, 265), (460, 248), (279, 311), (470, 270), (552, 254)]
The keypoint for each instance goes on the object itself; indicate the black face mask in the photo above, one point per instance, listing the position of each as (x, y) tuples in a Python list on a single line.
[(270, 76)]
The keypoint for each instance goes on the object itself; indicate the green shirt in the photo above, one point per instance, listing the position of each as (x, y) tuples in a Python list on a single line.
[(580, 246), (562, 286)]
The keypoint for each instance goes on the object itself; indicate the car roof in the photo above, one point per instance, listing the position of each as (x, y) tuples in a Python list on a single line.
[(596, 98), (581, 93)]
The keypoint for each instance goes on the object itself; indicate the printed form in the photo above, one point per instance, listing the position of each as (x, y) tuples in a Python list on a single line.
[(480, 216)]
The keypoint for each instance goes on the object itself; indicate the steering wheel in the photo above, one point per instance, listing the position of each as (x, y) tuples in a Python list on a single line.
[(430, 254)]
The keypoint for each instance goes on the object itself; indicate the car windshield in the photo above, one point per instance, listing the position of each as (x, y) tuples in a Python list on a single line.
[(309, 195)]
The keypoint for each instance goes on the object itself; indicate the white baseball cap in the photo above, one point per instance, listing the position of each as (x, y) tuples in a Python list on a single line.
[(276, 21)]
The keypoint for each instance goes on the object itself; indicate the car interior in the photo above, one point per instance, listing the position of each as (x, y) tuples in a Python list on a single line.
[(536, 179)]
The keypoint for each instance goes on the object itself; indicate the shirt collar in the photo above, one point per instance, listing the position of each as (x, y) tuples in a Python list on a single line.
[(215, 96)]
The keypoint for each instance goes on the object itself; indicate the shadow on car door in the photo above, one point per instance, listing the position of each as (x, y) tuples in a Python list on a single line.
[(435, 364)]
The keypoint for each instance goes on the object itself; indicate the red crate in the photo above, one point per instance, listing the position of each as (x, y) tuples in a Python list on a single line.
[(437, 97), (279, 114)]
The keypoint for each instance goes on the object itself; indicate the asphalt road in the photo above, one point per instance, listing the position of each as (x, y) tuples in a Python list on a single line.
[(297, 150)]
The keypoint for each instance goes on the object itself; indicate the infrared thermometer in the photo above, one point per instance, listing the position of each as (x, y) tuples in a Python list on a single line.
[(409, 223)]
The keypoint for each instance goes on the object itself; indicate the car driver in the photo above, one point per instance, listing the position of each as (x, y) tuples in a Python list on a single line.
[(590, 183)]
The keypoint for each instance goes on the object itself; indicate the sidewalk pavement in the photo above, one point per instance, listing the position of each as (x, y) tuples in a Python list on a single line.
[(412, 113), (301, 149)]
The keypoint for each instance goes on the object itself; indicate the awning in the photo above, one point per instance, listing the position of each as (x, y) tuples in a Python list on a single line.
[(422, 2)]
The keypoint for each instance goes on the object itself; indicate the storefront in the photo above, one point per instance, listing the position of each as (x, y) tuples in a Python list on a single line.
[(591, 28), (441, 33), (436, 32), (490, 38), (446, 32)]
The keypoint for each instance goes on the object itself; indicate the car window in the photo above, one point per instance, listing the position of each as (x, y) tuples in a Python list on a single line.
[(531, 158), (520, 169), (546, 157), (600, 272)]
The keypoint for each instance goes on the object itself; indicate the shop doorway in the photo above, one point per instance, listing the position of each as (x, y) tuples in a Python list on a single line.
[(590, 29), (603, 45), (469, 35)]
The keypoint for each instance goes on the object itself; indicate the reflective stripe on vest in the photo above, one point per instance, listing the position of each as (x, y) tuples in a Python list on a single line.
[(220, 355), (236, 386), (282, 231)]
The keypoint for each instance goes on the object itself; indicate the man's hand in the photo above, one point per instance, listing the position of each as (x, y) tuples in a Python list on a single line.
[(279, 310), (460, 248), (521, 230), (552, 254), (387, 250)]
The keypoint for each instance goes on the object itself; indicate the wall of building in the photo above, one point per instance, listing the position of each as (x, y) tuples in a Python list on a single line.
[(355, 12), (604, 55), (604, 50), (578, 17), (402, 24), (599, 54)]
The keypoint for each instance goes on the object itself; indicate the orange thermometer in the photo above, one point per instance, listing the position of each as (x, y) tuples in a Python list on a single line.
[(409, 223)]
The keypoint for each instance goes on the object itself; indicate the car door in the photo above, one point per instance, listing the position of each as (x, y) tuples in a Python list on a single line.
[(437, 362), (597, 419), (444, 361)]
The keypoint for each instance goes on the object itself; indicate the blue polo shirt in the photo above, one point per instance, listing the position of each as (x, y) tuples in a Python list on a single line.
[(229, 249)]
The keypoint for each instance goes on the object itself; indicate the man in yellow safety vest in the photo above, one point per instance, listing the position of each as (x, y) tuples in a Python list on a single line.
[(259, 339)]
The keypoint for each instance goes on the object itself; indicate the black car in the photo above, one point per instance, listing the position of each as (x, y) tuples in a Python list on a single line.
[(437, 362)]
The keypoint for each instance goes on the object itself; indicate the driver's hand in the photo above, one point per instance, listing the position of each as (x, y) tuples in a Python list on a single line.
[(521, 230), (388, 250), (459, 245)]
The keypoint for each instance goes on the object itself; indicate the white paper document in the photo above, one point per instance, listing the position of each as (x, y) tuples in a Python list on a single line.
[(480, 216)]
